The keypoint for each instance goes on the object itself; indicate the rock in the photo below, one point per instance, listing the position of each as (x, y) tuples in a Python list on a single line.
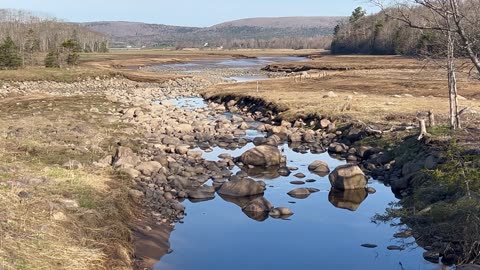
[(347, 177), (330, 94), (295, 137), (124, 157), (263, 155), (324, 123), (395, 248), (369, 245), (23, 194), (319, 167), (149, 167), (182, 149), (72, 165), (284, 171), (432, 256), (242, 187), (297, 182), (202, 193), (136, 195), (299, 175), (280, 212), (371, 190), (301, 193), (258, 205)]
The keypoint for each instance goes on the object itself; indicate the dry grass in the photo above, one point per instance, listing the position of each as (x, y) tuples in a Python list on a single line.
[(386, 95), (52, 217)]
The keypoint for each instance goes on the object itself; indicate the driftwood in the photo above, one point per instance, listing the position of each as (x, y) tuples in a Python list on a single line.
[(431, 119)]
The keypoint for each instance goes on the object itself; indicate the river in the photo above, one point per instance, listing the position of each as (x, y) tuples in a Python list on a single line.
[(327, 230)]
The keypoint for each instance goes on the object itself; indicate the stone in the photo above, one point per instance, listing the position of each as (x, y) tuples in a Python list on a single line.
[(371, 190), (263, 155), (125, 157), (299, 175), (395, 248), (149, 167), (280, 212), (242, 187), (202, 193), (432, 256), (319, 167), (300, 193), (258, 205), (369, 245), (297, 182), (330, 94), (348, 176)]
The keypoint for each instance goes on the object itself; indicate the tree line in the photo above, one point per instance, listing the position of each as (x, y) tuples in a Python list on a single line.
[(25, 35)]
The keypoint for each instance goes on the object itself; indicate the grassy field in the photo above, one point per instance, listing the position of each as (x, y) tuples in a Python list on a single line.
[(55, 216), (377, 89)]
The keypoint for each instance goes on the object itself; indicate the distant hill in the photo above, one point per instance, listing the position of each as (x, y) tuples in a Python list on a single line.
[(281, 32)]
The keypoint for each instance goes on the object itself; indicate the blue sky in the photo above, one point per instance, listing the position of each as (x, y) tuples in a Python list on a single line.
[(183, 12)]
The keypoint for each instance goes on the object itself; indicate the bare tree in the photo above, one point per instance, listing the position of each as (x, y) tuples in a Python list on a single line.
[(451, 19)]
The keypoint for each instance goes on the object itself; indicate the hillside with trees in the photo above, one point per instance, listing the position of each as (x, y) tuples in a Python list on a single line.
[(24, 36), (281, 32), (397, 30)]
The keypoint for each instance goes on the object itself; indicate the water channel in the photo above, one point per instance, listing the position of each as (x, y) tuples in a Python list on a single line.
[(326, 231)]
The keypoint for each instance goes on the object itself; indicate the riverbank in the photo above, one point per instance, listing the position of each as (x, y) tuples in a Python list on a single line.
[(128, 153)]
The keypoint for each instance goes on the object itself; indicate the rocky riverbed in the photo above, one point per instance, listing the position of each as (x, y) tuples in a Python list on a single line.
[(180, 132)]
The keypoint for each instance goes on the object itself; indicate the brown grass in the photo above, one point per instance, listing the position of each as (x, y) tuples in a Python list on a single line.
[(42, 231), (372, 91)]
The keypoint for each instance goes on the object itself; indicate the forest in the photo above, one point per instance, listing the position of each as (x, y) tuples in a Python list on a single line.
[(24, 35), (395, 30)]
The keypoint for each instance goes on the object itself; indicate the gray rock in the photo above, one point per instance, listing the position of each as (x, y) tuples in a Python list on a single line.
[(242, 187), (319, 167), (258, 205), (347, 177), (263, 155)]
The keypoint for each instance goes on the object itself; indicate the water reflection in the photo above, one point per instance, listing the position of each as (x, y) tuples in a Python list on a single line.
[(347, 199)]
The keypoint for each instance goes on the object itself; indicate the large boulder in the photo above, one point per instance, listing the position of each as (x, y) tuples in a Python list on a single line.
[(202, 193), (319, 167), (125, 158), (242, 187), (348, 176), (263, 155)]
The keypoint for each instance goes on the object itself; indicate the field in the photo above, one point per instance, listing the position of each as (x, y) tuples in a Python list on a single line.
[(386, 90)]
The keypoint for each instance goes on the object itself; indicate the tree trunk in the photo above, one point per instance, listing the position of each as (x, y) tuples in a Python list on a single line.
[(452, 83)]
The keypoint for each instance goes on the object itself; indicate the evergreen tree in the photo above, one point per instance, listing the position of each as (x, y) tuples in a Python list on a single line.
[(72, 48), (52, 60), (9, 58)]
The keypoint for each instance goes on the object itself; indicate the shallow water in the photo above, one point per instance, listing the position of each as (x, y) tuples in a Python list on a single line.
[(197, 66), (325, 232)]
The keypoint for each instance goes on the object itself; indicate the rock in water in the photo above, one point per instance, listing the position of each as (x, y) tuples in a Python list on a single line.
[(300, 193), (263, 155), (348, 176), (319, 167), (242, 187), (259, 205)]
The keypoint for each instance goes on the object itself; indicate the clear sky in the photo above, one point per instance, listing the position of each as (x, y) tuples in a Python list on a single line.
[(183, 12)]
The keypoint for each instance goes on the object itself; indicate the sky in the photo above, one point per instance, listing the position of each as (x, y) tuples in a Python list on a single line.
[(183, 12)]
